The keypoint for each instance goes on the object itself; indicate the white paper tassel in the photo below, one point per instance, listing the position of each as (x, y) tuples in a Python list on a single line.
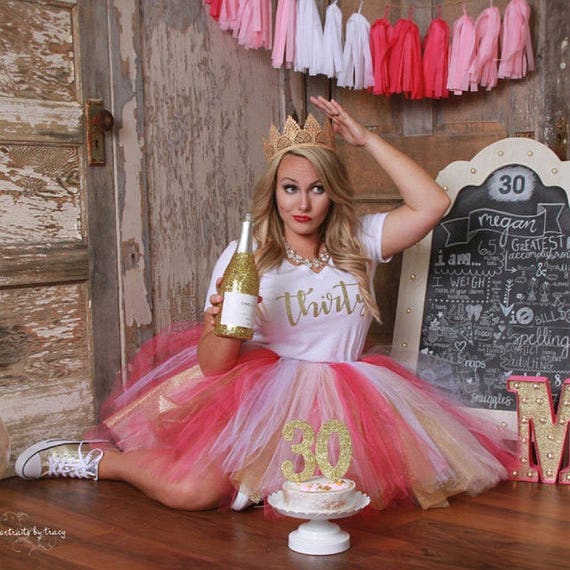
[(308, 38), (332, 41), (357, 60)]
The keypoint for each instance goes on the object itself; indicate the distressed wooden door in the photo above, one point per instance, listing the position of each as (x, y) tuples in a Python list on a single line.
[(59, 333)]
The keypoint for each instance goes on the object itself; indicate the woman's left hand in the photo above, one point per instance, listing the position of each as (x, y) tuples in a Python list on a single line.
[(343, 124)]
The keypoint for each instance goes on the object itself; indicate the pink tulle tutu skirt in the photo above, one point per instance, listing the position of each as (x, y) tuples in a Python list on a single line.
[(409, 441)]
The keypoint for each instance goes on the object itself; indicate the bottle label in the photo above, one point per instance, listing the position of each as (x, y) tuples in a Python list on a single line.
[(238, 310)]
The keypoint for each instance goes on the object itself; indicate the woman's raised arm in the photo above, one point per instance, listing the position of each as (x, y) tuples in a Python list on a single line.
[(425, 202)]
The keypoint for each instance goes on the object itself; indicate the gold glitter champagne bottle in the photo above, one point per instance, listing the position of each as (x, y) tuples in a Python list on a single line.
[(240, 288)]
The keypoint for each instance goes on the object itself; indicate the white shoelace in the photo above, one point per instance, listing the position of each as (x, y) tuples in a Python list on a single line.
[(76, 466)]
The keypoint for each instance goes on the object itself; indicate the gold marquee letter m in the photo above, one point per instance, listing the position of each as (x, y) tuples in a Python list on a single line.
[(538, 426)]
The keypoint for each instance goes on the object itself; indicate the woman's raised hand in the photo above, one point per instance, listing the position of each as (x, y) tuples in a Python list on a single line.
[(343, 124)]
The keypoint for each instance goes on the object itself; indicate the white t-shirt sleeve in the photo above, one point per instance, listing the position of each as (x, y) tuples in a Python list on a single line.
[(371, 235), (219, 269)]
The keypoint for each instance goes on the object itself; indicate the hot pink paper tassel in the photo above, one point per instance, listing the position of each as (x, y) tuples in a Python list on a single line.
[(380, 38), (214, 8), (516, 55), (436, 59), (405, 60), (284, 42), (483, 70), (461, 57)]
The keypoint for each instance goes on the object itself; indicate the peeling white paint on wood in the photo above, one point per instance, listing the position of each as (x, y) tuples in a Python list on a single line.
[(65, 397), (36, 51), (40, 200), (45, 378), (23, 120), (211, 102), (38, 320), (136, 297), (52, 3)]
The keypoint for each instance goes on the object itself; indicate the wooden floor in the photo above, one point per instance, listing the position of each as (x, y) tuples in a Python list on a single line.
[(80, 524)]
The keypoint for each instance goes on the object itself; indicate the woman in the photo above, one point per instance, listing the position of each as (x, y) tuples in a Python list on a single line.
[(189, 436)]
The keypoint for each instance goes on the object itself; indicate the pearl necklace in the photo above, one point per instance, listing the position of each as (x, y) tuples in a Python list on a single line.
[(314, 264)]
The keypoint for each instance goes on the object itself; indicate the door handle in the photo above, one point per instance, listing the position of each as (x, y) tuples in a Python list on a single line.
[(97, 121)]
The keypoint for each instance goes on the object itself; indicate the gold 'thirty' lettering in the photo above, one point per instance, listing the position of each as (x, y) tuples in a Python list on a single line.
[(337, 300)]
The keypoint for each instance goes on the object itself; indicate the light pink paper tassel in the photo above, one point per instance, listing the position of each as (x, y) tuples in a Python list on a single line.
[(308, 38), (229, 12), (284, 41), (332, 42), (357, 59), (483, 70), (255, 24), (516, 47), (462, 53)]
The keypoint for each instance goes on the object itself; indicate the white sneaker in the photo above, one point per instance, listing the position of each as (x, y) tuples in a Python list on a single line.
[(241, 502), (59, 458), (244, 500)]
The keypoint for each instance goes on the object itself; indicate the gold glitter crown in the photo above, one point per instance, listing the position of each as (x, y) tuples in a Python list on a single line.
[(293, 135)]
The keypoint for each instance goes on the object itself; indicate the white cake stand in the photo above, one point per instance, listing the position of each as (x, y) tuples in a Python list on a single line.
[(319, 535)]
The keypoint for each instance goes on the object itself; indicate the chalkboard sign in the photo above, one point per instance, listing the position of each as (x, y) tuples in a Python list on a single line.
[(489, 290)]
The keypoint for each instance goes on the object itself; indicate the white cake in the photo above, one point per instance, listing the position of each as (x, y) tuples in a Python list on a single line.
[(319, 494)]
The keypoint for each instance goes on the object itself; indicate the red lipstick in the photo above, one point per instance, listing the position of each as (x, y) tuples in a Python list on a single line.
[(302, 219)]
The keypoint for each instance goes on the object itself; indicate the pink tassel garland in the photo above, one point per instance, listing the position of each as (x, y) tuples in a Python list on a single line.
[(461, 56), (380, 38), (483, 70), (214, 8), (228, 19), (284, 42), (383, 58), (436, 59), (405, 60), (255, 24), (516, 56)]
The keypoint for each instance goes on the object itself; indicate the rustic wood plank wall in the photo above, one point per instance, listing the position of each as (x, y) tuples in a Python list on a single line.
[(208, 102)]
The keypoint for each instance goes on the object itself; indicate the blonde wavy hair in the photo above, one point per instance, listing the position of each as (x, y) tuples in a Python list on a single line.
[(339, 231)]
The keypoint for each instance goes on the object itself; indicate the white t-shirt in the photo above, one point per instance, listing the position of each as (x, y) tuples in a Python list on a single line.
[(305, 315)]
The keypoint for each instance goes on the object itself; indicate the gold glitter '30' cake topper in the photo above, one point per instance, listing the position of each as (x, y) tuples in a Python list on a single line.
[(320, 456), (311, 134)]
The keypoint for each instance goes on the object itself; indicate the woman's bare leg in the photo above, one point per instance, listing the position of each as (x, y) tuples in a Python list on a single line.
[(139, 468)]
